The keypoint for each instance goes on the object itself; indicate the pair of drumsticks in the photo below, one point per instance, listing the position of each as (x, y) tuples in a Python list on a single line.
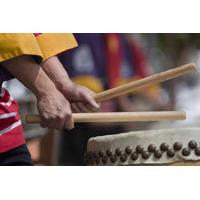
[(126, 89)]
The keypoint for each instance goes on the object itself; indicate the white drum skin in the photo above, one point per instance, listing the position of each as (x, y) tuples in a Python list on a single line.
[(152, 147)]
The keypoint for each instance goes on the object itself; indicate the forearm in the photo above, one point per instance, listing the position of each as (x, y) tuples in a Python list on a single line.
[(30, 74), (56, 72)]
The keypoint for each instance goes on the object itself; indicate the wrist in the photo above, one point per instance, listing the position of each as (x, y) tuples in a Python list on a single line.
[(43, 86), (64, 84), (43, 93), (56, 72)]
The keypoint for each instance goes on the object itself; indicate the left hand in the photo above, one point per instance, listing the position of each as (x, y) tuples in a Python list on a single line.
[(81, 98)]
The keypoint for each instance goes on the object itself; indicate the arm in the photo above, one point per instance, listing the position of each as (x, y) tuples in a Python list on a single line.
[(54, 109), (73, 92)]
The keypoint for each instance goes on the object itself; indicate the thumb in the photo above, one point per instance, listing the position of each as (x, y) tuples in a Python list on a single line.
[(91, 100)]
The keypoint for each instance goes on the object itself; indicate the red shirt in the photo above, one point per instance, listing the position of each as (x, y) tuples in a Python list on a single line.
[(11, 130)]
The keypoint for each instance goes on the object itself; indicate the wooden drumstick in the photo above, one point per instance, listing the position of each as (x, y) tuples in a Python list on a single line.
[(142, 83), (119, 117)]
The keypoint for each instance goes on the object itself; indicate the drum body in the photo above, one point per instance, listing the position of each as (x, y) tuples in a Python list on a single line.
[(153, 147)]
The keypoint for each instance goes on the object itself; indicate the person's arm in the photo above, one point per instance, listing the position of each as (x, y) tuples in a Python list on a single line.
[(83, 97), (53, 107)]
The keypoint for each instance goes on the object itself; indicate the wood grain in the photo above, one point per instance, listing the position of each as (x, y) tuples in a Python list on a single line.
[(145, 82), (119, 117)]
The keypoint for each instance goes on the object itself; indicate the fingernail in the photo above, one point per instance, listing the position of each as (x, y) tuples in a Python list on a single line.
[(97, 105)]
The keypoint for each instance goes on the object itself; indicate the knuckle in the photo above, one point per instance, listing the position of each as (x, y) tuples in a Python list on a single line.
[(68, 114), (60, 117)]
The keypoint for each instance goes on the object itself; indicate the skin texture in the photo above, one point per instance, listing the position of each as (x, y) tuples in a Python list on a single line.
[(53, 107)]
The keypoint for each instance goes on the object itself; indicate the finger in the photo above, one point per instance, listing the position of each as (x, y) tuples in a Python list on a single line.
[(59, 123), (75, 108), (69, 123), (91, 108), (90, 100), (82, 107), (52, 124), (90, 92)]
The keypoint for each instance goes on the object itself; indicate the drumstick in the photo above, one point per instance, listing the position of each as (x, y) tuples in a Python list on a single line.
[(119, 117), (142, 83)]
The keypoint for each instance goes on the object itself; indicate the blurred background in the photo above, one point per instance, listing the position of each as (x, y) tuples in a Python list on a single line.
[(106, 60)]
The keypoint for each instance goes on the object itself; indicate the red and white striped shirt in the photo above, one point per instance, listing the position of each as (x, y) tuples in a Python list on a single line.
[(11, 130)]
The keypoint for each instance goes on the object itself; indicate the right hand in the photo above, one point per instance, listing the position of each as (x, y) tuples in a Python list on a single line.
[(55, 111)]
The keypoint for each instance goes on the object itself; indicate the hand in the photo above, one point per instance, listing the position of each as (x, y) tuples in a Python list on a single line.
[(82, 98), (55, 111)]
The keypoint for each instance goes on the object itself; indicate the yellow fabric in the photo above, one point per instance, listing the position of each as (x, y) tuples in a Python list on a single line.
[(43, 46), (54, 43), (90, 82), (16, 44)]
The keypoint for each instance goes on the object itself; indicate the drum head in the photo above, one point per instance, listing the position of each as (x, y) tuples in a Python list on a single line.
[(154, 147)]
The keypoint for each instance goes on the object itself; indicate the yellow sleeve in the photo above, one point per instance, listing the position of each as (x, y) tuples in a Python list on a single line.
[(52, 44), (17, 44)]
